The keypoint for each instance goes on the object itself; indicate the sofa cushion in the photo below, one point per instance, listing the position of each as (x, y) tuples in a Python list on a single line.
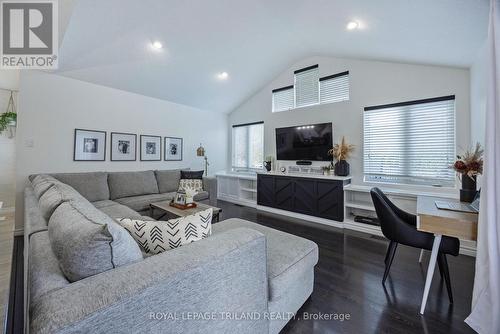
[(141, 203), (87, 242), (168, 180), (287, 255), (103, 204), (92, 185), (45, 274), (41, 183), (201, 196), (54, 196), (155, 237), (126, 184), (120, 211)]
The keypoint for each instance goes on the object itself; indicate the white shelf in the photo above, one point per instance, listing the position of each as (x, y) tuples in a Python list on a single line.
[(401, 192), (363, 206), (249, 190)]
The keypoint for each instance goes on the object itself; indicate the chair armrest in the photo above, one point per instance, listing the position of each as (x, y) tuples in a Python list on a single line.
[(225, 272), (210, 185)]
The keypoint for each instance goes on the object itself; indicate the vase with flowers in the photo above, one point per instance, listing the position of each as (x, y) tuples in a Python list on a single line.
[(341, 153), (468, 166)]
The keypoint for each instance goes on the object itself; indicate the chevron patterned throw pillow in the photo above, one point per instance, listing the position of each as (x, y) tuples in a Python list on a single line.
[(155, 237)]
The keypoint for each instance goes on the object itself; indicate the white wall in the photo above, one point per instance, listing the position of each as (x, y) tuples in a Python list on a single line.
[(478, 97), (371, 83), (9, 79), (52, 106)]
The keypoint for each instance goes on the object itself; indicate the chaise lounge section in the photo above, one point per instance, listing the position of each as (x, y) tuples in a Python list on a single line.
[(241, 269)]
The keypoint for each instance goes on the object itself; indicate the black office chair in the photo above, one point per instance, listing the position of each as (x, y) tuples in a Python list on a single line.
[(400, 228)]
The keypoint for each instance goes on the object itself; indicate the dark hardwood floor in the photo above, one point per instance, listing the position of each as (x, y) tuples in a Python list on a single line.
[(348, 280)]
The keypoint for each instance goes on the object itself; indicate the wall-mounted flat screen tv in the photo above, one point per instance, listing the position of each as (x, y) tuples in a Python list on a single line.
[(304, 142)]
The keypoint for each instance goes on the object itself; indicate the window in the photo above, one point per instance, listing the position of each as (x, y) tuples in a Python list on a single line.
[(334, 88), (307, 86), (248, 146), (283, 99), (309, 90), (411, 142)]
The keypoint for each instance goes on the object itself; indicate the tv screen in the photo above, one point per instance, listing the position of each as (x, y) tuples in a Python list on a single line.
[(304, 142)]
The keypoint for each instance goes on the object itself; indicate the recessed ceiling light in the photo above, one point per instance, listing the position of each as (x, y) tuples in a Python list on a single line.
[(352, 25), (223, 75), (157, 45)]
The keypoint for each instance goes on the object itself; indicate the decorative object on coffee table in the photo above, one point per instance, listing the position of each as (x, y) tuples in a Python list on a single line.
[(173, 149), (268, 163), (123, 146), (341, 153), (89, 145), (200, 151), (150, 148), (468, 166), (166, 209)]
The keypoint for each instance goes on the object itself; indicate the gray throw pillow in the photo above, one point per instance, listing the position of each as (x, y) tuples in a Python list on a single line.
[(87, 242), (41, 183), (54, 196)]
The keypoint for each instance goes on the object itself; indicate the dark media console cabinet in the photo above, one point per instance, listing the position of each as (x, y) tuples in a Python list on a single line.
[(314, 196)]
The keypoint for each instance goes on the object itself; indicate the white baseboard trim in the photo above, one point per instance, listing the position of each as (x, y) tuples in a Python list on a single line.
[(237, 201), (301, 216), (468, 250)]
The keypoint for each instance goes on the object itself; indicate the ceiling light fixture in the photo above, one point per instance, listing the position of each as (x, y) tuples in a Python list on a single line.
[(223, 75), (352, 25), (157, 45)]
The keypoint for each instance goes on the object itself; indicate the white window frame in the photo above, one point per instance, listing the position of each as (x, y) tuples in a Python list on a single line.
[(319, 80), (310, 70), (332, 78), (247, 167), (409, 179)]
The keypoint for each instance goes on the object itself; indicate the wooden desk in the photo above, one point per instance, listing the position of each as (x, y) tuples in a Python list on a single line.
[(439, 222)]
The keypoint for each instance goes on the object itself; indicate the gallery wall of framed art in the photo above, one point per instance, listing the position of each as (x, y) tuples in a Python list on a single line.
[(91, 145)]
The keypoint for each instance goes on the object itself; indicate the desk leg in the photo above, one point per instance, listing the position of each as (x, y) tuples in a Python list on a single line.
[(430, 270)]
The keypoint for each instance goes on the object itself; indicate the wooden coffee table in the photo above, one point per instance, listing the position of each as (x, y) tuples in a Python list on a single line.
[(166, 209)]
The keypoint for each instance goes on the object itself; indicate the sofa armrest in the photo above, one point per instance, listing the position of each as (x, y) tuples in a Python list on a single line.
[(210, 185), (168, 293)]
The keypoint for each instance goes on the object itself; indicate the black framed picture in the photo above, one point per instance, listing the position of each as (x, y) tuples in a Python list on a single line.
[(123, 146), (89, 145), (150, 148), (173, 149)]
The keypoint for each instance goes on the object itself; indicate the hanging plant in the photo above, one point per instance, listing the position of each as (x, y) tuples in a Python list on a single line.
[(7, 119)]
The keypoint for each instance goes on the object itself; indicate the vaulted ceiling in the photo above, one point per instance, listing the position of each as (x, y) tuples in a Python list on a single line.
[(109, 42)]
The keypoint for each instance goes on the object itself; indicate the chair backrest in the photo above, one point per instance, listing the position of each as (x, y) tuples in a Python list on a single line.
[(387, 217)]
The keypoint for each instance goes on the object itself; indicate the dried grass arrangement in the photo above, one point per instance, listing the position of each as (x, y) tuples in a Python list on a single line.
[(341, 151)]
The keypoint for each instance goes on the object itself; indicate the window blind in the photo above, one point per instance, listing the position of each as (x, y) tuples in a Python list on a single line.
[(307, 86), (248, 145), (283, 99), (334, 88), (411, 142)]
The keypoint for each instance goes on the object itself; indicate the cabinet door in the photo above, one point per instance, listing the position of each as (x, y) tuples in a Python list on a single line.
[(265, 190), (330, 200), (284, 191), (305, 197)]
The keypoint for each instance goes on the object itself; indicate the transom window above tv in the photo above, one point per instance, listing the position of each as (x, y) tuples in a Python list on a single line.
[(310, 89)]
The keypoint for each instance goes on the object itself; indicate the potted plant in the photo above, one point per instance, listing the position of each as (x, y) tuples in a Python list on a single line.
[(7, 119), (341, 153), (468, 166), (326, 170), (268, 162)]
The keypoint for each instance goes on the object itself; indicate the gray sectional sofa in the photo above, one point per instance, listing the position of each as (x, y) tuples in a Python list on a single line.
[(244, 278)]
